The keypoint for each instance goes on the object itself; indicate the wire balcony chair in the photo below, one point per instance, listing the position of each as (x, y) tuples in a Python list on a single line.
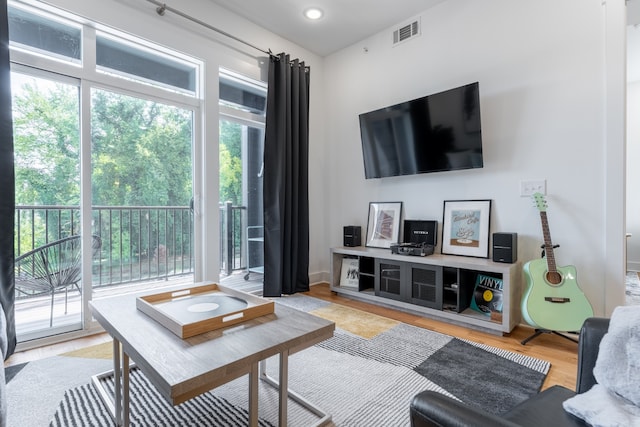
[(51, 268)]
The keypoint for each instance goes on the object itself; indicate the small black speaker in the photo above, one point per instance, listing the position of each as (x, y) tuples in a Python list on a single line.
[(352, 236), (505, 247)]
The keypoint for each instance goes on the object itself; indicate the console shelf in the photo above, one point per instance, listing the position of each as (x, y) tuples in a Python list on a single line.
[(437, 286)]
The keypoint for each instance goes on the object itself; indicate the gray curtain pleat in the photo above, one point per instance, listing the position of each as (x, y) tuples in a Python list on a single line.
[(7, 184), (286, 178)]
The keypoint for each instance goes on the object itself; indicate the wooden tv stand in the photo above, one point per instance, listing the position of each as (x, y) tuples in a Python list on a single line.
[(436, 286)]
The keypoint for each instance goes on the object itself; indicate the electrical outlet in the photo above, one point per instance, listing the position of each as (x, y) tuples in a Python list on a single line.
[(530, 187)]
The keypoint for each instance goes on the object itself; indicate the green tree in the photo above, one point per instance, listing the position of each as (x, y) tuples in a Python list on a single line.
[(141, 152), (230, 162), (47, 144), (140, 156)]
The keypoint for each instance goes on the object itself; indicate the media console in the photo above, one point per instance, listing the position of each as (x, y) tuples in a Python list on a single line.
[(437, 286)]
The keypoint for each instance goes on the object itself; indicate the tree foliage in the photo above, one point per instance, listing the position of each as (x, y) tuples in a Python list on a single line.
[(47, 145), (141, 155), (230, 162), (141, 152)]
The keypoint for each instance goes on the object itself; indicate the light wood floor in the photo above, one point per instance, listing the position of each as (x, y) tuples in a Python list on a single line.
[(561, 353)]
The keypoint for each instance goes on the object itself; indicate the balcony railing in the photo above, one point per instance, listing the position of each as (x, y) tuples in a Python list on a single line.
[(142, 243), (233, 238), (139, 243)]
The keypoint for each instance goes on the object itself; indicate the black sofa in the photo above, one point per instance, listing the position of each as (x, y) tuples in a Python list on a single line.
[(430, 408)]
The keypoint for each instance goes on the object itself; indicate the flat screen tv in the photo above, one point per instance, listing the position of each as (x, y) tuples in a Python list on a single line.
[(439, 132)]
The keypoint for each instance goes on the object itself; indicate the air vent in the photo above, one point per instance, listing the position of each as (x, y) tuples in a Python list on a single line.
[(406, 32)]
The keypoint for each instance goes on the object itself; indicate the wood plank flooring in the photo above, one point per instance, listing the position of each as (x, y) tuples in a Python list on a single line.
[(561, 353)]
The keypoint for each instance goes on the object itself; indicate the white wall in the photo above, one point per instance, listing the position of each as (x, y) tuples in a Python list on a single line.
[(633, 147), (633, 175), (547, 112), (543, 85), (139, 18)]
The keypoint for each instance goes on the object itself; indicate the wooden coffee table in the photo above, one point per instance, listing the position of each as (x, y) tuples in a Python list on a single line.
[(181, 369)]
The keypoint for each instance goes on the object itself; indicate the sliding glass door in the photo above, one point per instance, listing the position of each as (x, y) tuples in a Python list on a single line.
[(242, 108), (141, 186), (105, 135), (46, 116)]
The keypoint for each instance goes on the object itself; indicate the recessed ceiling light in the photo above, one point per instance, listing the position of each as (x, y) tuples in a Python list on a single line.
[(313, 13)]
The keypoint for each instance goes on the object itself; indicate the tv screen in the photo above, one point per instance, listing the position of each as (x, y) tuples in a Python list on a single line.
[(439, 132)]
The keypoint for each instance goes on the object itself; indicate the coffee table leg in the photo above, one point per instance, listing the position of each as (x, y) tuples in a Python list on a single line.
[(125, 389), (284, 392), (116, 381), (284, 388), (253, 396), (121, 395)]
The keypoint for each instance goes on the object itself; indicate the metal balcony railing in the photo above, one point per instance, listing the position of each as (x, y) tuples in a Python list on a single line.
[(233, 239), (139, 243)]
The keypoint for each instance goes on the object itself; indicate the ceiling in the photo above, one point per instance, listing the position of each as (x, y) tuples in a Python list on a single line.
[(343, 24)]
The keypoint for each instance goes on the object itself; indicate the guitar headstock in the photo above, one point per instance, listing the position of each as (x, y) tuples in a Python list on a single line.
[(540, 202)]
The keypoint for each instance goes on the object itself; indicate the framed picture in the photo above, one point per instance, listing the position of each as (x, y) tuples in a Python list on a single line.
[(383, 225), (350, 273), (465, 228)]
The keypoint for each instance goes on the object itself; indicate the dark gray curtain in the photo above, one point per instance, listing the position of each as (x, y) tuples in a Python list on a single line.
[(286, 178), (7, 184)]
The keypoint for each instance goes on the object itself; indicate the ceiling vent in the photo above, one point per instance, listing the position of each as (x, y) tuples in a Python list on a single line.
[(406, 32)]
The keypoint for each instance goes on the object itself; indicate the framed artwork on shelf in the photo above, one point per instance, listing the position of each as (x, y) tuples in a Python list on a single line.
[(465, 228), (350, 273), (383, 225)]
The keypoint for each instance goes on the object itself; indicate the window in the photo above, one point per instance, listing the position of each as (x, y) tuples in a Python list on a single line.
[(134, 190), (45, 35), (125, 59), (242, 94), (242, 107)]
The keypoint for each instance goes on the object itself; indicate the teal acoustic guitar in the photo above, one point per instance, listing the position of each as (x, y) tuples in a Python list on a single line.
[(552, 300)]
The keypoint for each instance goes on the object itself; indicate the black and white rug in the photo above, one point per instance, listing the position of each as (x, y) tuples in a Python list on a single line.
[(360, 380)]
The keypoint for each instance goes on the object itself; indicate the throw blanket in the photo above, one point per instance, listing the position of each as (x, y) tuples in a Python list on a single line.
[(615, 400)]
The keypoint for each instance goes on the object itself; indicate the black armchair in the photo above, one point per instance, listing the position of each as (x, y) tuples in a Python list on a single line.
[(432, 409)]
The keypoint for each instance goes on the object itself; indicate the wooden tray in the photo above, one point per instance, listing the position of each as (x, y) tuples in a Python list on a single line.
[(202, 308)]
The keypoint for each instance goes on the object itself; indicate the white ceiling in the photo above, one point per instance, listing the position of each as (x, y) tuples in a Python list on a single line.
[(347, 22), (344, 22)]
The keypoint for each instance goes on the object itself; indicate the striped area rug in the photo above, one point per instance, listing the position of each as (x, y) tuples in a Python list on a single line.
[(361, 380), (82, 406)]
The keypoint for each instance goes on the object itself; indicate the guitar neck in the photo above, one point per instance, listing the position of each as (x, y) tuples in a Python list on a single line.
[(548, 246)]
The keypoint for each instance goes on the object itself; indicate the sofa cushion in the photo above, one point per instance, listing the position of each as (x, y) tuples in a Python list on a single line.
[(544, 409)]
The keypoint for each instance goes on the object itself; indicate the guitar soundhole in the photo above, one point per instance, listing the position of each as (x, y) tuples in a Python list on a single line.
[(554, 278)]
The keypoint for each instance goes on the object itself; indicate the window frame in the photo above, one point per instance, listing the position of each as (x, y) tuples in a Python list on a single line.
[(87, 77)]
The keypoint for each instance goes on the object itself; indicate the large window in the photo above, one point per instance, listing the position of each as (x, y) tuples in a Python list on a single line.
[(115, 173)]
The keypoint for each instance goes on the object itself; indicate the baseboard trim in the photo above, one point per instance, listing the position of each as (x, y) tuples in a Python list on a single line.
[(319, 277), (633, 266)]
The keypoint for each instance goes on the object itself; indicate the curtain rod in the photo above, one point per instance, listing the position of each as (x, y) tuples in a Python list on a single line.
[(162, 8)]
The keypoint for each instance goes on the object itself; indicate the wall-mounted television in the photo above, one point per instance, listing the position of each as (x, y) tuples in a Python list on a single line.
[(439, 132)]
